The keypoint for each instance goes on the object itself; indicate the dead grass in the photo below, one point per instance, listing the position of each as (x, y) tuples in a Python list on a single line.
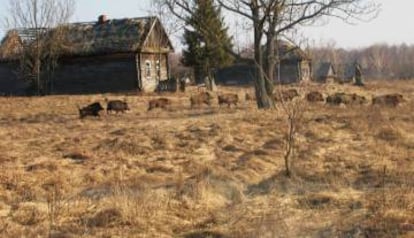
[(206, 172)]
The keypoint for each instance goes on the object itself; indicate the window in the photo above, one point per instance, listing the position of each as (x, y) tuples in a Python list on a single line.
[(148, 68), (158, 68)]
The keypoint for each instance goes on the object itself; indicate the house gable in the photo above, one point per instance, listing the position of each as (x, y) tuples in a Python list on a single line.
[(326, 72), (10, 46), (156, 40)]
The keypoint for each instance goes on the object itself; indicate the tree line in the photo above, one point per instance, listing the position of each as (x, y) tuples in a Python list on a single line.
[(378, 61)]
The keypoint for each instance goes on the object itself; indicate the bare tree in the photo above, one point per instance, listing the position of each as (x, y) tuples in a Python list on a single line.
[(172, 26), (377, 59), (39, 24)]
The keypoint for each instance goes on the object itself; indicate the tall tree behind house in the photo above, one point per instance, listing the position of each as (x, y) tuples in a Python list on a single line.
[(207, 41)]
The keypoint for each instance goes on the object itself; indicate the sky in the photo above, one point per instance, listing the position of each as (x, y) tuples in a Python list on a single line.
[(392, 26)]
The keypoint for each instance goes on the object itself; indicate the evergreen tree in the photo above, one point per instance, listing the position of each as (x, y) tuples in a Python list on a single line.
[(207, 40)]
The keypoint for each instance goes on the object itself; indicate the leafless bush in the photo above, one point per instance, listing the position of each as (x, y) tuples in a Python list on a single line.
[(293, 111)]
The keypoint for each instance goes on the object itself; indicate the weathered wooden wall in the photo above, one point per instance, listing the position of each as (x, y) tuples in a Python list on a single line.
[(293, 72), (9, 82), (289, 73), (98, 74), (306, 70), (236, 75)]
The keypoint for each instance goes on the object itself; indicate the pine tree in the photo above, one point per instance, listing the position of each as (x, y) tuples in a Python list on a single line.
[(207, 40)]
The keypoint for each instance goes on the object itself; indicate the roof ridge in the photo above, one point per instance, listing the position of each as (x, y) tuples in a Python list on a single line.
[(115, 19)]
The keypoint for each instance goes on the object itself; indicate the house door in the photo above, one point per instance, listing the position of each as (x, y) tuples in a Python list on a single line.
[(149, 79)]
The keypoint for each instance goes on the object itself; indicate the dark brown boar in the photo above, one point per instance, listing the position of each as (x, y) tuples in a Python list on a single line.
[(90, 110), (229, 98), (116, 106), (158, 103), (314, 96)]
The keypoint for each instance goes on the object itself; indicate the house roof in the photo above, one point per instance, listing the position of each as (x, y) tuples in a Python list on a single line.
[(10, 45), (12, 42), (324, 70), (288, 51), (349, 71), (111, 36)]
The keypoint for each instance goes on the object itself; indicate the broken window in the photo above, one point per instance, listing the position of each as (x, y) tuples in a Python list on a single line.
[(158, 68), (148, 68)]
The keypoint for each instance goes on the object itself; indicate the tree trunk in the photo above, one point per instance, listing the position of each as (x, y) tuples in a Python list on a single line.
[(210, 83), (271, 55), (264, 99), (209, 79)]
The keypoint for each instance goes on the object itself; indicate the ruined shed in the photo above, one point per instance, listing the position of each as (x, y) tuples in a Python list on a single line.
[(326, 73), (295, 66)]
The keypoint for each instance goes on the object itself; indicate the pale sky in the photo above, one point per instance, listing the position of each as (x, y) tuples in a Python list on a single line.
[(393, 25)]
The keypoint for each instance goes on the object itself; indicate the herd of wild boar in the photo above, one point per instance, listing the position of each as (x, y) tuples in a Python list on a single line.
[(162, 103), (337, 98), (229, 99)]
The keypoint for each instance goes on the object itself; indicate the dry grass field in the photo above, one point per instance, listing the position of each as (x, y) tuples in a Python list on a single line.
[(209, 171)]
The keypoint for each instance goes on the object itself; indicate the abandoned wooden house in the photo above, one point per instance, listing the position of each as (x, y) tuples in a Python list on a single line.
[(346, 73), (326, 73), (295, 66), (114, 55)]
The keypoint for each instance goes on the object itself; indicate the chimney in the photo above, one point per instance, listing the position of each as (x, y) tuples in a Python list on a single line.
[(102, 19)]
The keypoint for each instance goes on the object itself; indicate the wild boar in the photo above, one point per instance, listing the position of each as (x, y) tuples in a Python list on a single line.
[(338, 98), (314, 96), (249, 97), (228, 99), (358, 100), (116, 106), (286, 95), (199, 99), (345, 98), (90, 110), (388, 100), (158, 103)]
